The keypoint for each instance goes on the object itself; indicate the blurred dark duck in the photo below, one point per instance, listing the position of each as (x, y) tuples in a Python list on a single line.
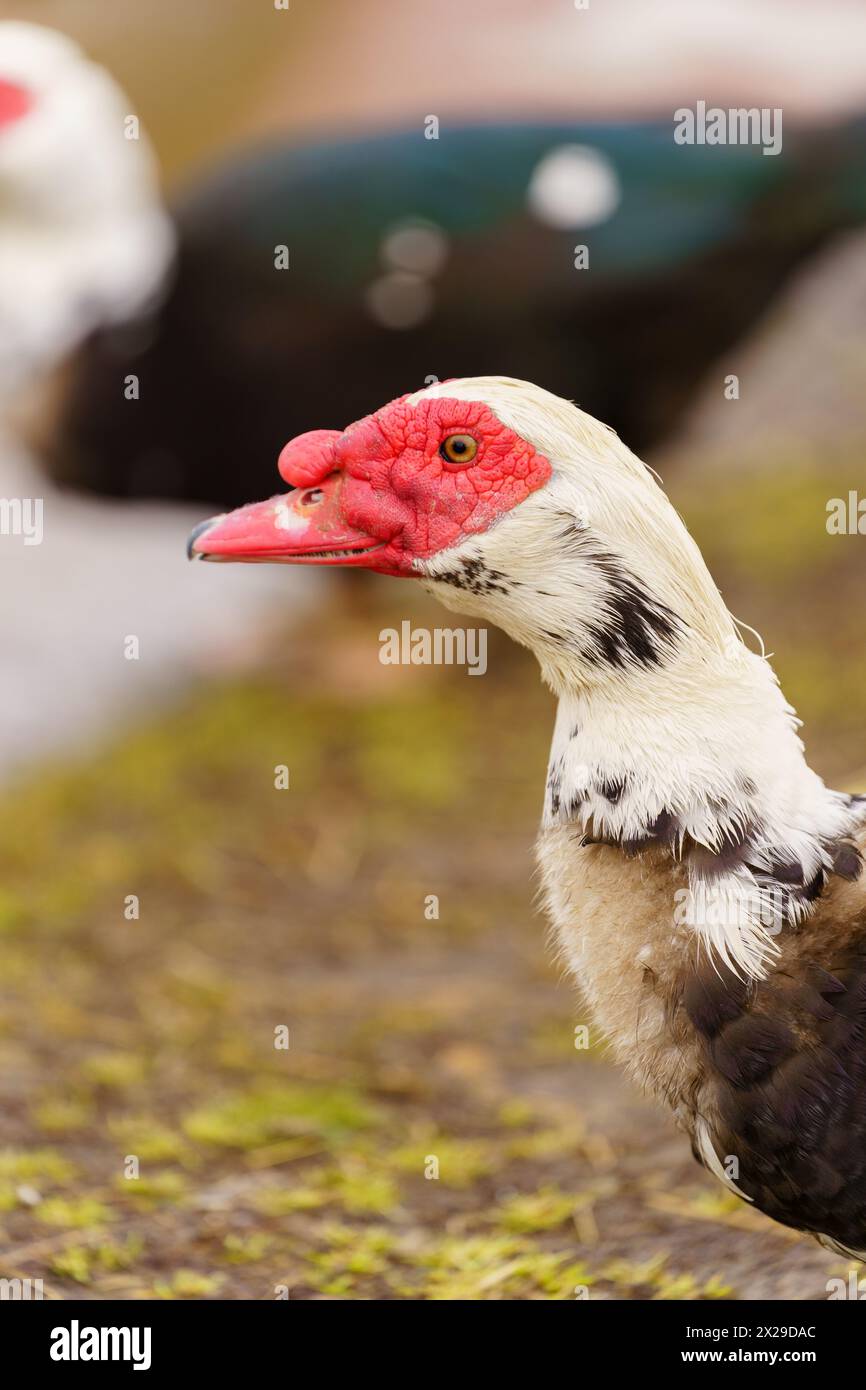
[(411, 258)]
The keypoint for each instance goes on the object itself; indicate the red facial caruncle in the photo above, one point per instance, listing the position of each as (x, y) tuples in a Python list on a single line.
[(15, 102), (400, 485)]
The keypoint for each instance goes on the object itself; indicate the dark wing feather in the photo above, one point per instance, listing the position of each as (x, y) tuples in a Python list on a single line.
[(783, 1087)]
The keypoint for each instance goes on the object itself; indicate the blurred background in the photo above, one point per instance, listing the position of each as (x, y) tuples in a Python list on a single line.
[(224, 224)]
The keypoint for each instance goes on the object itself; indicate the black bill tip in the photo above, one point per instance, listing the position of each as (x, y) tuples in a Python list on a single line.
[(191, 552)]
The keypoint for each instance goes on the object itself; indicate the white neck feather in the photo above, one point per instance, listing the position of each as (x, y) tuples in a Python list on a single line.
[(713, 770)]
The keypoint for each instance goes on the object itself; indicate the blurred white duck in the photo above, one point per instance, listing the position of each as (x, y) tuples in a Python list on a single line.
[(84, 239), (85, 242)]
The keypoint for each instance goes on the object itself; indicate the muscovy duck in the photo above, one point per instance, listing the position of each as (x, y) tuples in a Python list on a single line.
[(704, 884)]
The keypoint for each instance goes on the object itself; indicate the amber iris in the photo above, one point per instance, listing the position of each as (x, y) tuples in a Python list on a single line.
[(459, 449)]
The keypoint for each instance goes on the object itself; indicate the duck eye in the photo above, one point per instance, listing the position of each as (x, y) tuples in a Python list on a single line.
[(459, 448)]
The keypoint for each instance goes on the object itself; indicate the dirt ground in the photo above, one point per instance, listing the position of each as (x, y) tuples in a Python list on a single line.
[(430, 1130)]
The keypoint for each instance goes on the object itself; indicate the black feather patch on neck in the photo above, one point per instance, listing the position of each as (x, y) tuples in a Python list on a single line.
[(634, 628)]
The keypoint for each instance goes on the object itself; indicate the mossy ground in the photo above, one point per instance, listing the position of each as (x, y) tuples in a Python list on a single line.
[(417, 1044)]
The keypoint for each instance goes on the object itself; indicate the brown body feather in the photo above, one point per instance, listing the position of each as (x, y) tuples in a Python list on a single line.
[(767, 1076)]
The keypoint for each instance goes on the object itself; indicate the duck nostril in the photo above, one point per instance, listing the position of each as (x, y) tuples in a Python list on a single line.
[(312, 497)]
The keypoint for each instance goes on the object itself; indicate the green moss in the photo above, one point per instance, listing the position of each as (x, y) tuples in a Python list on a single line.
[(352, 1255), (147, 1138), (286, 1201), (543, 1145), (166, 1186), (543, 1210), (717, 1288), (247, 1120), (356, 1184), (189, 1283), (84, 1263), (455, 1162), (710, 1204), (72, 1263), (35, 1166), (115, 1070), (62, 1114), (72, 1213), (360, 1189), (500, 1266), (246, 1249), (516, 1113), (653, 1279)]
